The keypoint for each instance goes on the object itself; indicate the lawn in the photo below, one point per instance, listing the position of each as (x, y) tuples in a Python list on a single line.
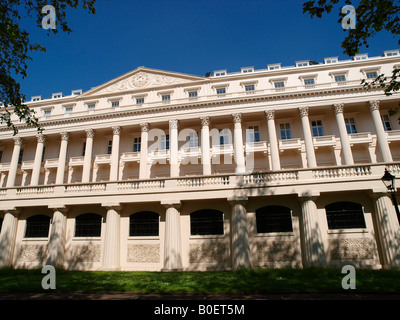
[(242, 281)]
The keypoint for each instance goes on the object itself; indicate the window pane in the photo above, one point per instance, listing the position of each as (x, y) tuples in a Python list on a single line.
[(144, 224), (37, 227), (345, 215), (350, 125), (274, 219), (285, 131), (88, 225), (386, 122), (206, 222)]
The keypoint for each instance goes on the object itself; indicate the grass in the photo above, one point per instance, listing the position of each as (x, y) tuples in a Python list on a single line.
[(242, 281)]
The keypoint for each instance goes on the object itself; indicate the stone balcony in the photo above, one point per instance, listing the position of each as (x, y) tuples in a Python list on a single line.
[(301, 181)]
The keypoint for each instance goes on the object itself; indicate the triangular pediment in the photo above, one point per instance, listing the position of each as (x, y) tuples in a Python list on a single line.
[(143, 78)]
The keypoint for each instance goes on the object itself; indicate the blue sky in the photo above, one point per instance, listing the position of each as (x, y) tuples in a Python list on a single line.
[(189, 36)]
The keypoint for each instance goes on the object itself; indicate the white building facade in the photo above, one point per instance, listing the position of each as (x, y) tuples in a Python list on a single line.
[(158, 170)]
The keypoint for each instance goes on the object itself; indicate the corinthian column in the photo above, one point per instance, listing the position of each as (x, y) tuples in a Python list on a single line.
[(143, 167), (62, 158), (205, 145), (87, 161), (380, 131), (173, 155), (115, 154), (311, 161), (238, 143), (12, 173), (273, 141), (38, 159), (344, 138)]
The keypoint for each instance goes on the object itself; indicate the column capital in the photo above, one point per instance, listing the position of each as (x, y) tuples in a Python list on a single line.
[(173, 124), (237, 200), (64, 136), (112, 206), (373, 105), (237, 117), (17, 141), (89, 133), (41, 138), (58, 207), (303, 111), (338, 108), (116, 130), (313, 195), (270, 114), (144, 127), (205, 121), (14, 211), (171, 204)]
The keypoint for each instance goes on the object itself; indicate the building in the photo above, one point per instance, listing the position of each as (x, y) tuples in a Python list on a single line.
[(158, 170)]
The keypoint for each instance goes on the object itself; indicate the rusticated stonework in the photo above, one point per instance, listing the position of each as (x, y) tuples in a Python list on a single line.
[(351, 249), (33, 253), (149, 253), (278, 250), (85, 253), (207, 252)]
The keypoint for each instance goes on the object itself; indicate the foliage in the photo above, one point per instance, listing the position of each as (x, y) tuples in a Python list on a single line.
[(16, 49)]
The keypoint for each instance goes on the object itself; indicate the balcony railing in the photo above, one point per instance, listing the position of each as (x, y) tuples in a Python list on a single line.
[(224, 182)]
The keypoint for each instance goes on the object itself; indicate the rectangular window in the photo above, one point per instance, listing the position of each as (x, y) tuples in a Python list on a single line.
[(223, 137), (164, 142), (139, 100), (166, 97), (340, 78), (114, 104), (350, 125), (136, 144), (249, 87), (91, 106), (84, 148), (386, 122), (109, 147), (221, 91), (254, 134), (44, 150), (68, 109), (47, 113), (20, 156), (286, 132), (193, 139), (309, 82), (317, 130), (192, 94), (279, 85), (372, 75)]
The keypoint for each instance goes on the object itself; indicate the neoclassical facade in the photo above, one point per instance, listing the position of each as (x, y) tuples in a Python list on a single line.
[(159, 170)]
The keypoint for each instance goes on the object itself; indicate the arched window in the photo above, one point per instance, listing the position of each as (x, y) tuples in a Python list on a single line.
[(207, 222), (144, 223), (345, 215), (88, 225), (274, 219), (37, 226)]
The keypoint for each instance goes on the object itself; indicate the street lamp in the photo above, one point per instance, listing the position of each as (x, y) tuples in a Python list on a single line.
[(388, 180)]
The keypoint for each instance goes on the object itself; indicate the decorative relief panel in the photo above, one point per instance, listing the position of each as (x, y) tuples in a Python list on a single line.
[(351, 249), (33, 253), (207, 252), (149, 253), (142, 80), (85, 253), (278, 250)]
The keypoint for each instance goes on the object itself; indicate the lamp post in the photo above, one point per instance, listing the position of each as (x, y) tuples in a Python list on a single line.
[(388, 180)]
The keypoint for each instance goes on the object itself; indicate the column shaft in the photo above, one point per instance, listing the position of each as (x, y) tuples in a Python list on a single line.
[(115, 154), (38, 160), (344, 138), (380, 131), (172, 245), (173, 142), (144, 173), (111, 253), (7, 238), (87, 161), (62, 158), (12, 173), (238, 143), (273, 141), (311, 161), (205, 145), (56, 245), (240, 241)]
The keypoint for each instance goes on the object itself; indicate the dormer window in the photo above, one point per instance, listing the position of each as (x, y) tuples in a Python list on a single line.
[(303, 63), (36, 98), (361, 56), (275, 66), (331, 60), (56, 95), (220, 73), (247, 69), (76, 92), (390, 53)]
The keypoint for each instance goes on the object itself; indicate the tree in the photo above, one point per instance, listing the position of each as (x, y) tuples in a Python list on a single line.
[(372, 16), (16, 50)]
